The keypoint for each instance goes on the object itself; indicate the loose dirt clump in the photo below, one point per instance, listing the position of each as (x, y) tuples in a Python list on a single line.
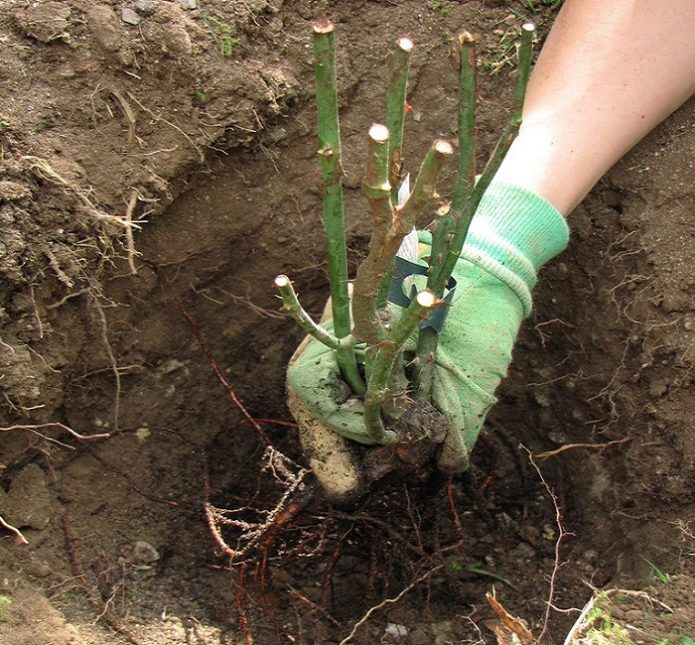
[(157, 170)]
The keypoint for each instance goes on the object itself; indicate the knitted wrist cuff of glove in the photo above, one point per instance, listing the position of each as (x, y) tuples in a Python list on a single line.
[(514, 233)]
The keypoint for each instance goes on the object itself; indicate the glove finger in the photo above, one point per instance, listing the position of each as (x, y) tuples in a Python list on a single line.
[(314, 378), (466, 405), (453, 457), (332, 461)]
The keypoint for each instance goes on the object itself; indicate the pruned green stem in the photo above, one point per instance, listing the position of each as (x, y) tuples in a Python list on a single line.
[(382, 366), (292, 306), (330, 157), (377, 190), (466, 120), (450, 235), (511, 130), (469, 207), (425, 188), (383, 247), (443, 230), (345, 357), (445, 225), (457, 216), (342, 346), (398, 66), (528, 31)]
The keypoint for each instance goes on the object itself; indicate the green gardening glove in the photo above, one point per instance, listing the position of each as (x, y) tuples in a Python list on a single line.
[(513, 233)]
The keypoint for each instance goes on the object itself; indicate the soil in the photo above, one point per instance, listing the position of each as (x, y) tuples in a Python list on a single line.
[(122, 355)]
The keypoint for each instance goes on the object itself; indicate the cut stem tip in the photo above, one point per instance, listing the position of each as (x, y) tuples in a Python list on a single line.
[(443, 148), (466, 38), (405, 44), (282, 281), (323, 26), (426, 298), (529, 27), (378, 133)]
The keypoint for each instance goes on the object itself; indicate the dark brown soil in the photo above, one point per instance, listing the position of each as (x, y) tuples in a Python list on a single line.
[(202, 120)]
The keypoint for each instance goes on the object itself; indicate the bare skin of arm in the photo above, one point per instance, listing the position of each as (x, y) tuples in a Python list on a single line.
[(608, 73)]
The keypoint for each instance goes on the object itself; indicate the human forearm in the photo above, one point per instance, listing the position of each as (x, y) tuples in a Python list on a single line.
[(608, 73)]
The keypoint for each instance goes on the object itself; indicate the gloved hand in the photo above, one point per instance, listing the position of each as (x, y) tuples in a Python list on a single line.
[(512, 235)]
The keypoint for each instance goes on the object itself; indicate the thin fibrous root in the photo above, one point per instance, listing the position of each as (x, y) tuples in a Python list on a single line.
[(34, 428), (52, 175), (389, 601), (19, 538)]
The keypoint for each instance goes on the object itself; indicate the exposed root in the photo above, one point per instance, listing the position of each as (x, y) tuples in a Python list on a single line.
[(561, 535), (129, 114), (130, 243), (239, 602), (55, 265), (197, 148), (389, 601), (311, 605), (571, 446), (202, 342), (252, 532), (112, 359), (34, 429), (102, 607), (96, 213), (513, 630), (543, 335), (19, 538)]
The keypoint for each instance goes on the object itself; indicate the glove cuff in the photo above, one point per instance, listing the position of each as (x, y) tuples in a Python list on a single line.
[(514, 233), (512, 218)]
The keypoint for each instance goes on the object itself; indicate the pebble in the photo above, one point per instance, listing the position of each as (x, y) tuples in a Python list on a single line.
[(542, 399), (146, 7), (104, 24), (178, 41), (38, 568), (531, 534), (45, 22), (443, 632), (396, 632), (145, 553), (523, 551), (129, 17), (188, 4)]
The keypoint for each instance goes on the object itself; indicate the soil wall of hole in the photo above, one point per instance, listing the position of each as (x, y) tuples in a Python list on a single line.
[(217, 157)]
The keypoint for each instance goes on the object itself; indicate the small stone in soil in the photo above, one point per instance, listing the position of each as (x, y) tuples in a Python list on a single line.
[(129, 17), (146, 7), (188, 4), (145, 553), (395, 633)]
